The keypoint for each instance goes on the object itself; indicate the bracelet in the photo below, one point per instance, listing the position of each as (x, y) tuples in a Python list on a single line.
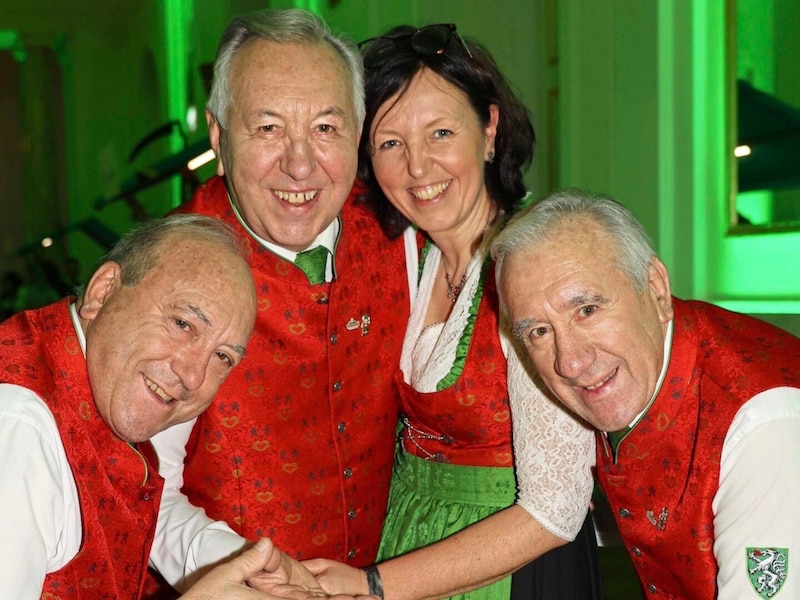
[(374, 583)]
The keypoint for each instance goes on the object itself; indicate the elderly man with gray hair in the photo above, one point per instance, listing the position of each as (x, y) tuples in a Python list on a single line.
[(697, 408)]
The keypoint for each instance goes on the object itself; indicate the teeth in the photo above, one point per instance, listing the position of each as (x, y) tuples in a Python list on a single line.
[(159, 392), (431, 191), (296, 197), (597, 385)]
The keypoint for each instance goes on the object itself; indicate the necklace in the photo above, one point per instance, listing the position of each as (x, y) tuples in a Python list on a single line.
[(454, 290)]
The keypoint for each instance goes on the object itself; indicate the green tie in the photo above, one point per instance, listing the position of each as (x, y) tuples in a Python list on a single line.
[(314, 263)]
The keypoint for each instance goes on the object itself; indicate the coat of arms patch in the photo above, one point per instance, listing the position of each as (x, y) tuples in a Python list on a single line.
[(767, 568)]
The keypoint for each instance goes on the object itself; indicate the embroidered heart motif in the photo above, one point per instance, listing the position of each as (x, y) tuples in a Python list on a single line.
[(280, 358), (289, 467), (502, 416), (320, 539), (231, 421), (311, 437), (88, 583), (212, 447), (255, 390), (72, 346), (236, 473), (260, 445), (264, 497), (297, 328), (488, 367), (468, 400), (85, 411), (308, 382), (318, 488), (503, 458), (263, 304), (293, 518)]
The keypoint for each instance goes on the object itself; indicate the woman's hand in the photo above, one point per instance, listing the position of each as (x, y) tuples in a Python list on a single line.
[(336, 577)]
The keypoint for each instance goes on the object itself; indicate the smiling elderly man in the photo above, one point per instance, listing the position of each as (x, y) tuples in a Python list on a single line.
[(698, 408), (85, 382)]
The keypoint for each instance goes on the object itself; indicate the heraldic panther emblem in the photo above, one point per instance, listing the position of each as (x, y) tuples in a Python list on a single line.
[(767, 568)]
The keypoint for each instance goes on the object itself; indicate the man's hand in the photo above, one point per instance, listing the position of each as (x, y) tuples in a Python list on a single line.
[(261, 573), (229, 580)]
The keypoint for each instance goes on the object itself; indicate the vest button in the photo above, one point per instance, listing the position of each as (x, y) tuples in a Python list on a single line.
[(341, 427), (146, 496), (323, 299), (351, 554), (624, 513), (652, 589), (337, 386), (348, 473), (334, 338), (636, 551), (351, 515)]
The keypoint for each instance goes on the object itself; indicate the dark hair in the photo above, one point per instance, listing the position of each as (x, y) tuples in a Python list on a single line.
[(479, 78)]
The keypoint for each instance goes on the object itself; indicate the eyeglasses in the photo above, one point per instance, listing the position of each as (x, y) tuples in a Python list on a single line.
[(425, 41)]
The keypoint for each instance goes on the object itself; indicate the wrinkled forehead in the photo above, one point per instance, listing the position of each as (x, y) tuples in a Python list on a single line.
[(570, 257), (273, 67)]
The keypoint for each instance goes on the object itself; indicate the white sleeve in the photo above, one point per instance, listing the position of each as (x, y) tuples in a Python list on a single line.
[(554, 452), (40, 524), (756, 506), (187, 541)]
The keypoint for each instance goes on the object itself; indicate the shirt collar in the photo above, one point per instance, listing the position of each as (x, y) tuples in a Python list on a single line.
[(76, 322), (327, 238)]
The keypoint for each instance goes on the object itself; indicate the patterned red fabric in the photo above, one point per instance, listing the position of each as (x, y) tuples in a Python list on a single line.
[(470, 420), (118, 492), (667, 468), (299, 443)]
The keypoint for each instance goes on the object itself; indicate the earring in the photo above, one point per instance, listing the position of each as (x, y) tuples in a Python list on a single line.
[(490, 158)]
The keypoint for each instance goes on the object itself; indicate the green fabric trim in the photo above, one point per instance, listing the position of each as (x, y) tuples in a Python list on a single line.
[(423, 254)]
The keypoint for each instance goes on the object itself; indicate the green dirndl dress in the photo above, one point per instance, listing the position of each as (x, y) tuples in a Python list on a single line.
[(430, 501)]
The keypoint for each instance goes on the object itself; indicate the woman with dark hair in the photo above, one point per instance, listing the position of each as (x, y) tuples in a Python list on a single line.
[(444, 146)]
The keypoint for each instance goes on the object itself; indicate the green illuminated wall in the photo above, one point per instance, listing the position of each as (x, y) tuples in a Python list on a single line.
[(628, 98)]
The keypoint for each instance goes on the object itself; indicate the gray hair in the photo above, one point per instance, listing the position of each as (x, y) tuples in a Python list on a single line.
[(536, 224), (282, 26), (138, 251)]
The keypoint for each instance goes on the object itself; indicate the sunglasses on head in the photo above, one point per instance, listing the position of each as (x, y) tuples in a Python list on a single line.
[(425, 41)]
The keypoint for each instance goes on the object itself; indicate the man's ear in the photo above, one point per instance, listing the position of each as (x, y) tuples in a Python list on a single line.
[(660, 287), (103, 283), (215, 138)]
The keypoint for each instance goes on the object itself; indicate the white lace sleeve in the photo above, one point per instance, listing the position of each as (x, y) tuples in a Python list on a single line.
[(554, 452)]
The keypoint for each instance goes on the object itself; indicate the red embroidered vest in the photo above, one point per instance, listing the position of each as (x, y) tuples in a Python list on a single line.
[(118, 494), (470, 420), (667, 469), (299, 443)]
